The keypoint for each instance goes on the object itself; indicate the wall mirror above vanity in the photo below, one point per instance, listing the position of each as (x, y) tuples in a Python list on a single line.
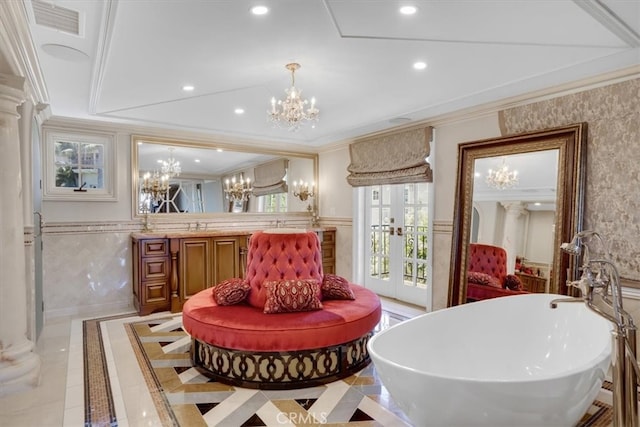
[(524, 195), (177, 177)]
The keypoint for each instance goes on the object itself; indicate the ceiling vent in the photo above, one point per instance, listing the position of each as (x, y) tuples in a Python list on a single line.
[(56, 17)]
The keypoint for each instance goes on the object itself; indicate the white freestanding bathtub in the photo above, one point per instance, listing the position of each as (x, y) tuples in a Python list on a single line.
[(510, 361)]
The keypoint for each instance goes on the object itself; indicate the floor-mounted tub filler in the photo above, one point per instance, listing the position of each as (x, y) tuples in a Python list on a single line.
[(508, 361)]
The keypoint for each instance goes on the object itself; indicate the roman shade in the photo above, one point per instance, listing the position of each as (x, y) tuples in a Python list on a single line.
[(396, 158), (269, 178)]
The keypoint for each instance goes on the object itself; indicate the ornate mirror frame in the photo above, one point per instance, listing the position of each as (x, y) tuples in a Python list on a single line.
[(570, 141)]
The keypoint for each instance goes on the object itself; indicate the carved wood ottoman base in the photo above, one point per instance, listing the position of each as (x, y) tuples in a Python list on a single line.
[(280, 370)]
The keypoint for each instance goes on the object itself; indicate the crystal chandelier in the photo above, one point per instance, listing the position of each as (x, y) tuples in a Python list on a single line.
[(238, 191), (155, 186), (502, 178), (171, 167), (290, 113)]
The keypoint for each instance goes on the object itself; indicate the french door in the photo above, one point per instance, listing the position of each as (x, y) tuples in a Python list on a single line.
[(397, 261)]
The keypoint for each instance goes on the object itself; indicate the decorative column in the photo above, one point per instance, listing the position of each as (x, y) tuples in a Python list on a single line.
[(510, 230), (19, 365), (26, 153)]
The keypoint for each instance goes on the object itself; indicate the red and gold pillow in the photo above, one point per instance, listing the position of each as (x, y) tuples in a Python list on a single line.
[(288, 296), (231, 291), (483, 279), (513, 282), (336, 287)]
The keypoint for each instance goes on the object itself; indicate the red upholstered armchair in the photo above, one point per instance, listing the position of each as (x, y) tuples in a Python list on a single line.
[(487, 273), (275, 256)]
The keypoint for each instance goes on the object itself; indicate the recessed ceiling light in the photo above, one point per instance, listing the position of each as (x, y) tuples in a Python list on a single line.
[(239, 111), (219, 150), (65, 52), (408, 10), (196, 160), (420, 65), (259, 10), (399, 120), (188, 88)]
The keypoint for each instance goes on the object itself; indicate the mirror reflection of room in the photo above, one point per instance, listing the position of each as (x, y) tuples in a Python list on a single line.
[(513, 217), (188, 179)]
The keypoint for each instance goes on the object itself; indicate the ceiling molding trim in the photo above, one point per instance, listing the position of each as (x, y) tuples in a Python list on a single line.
[(102, 53), (124, 128), (582, 85), (16, 44), (610, 21), (479, 111), (476, 42)]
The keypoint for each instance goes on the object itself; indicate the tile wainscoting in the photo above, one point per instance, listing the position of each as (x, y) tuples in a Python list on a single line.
[(87, 266)]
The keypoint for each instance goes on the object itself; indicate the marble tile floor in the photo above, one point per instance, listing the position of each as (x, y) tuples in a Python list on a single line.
[(59, 398)]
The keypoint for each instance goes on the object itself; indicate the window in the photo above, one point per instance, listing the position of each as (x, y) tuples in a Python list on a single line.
[(78, 165), (273, 202)]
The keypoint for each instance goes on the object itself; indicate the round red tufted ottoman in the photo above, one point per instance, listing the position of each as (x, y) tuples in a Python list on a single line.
[(243, 346)]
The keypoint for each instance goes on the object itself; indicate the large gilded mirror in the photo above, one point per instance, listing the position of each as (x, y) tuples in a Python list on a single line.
[(518, 198), (172, 176)]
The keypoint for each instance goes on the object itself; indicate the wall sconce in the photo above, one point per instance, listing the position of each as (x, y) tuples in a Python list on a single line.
[(301, 190), (238, 191)]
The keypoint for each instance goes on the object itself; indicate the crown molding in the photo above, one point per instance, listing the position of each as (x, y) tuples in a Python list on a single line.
[(102, 52), (617, 76), (20, 52)]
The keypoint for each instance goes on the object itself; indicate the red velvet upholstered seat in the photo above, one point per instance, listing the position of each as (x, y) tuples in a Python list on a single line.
[(274, 256), (244, 345), (243, 327), (491, 260), (488, 259)]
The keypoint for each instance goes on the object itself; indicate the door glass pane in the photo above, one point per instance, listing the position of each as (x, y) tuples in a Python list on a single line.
[(415, 235), (379, 234), (386, 194)]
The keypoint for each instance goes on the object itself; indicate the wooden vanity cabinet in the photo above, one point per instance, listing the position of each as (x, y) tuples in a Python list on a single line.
[(169, 269), (151, 275), (194, 266), (229, 257), (532, 283), (328, 248)]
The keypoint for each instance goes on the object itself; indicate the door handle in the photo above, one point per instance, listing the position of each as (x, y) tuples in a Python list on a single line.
[(399, 231), (40, 223), (391, 231)]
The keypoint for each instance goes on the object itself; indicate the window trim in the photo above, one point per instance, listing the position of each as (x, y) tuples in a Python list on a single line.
[(51, 192)]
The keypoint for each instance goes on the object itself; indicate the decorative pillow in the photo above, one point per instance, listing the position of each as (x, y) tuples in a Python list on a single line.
[(483, 279), (336, 287), (287, 296), (513, 282), (231, 291)]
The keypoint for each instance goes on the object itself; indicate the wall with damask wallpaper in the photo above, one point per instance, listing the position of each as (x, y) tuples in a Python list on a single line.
[(612, 195)]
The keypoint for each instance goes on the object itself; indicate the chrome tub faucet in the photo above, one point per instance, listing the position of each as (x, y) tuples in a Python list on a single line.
[(600, 290)]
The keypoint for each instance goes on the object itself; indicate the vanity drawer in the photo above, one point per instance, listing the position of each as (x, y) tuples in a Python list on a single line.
[(155, 247), (154, 268), (155, 293), (328, 252), (328, 245)]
